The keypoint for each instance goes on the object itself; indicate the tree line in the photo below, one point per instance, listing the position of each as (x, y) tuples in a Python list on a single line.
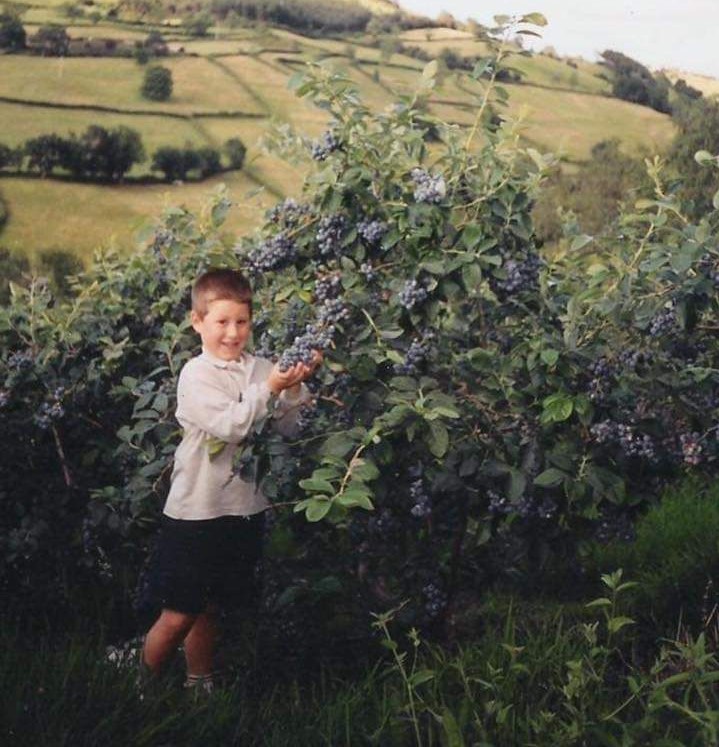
[(107, 155)]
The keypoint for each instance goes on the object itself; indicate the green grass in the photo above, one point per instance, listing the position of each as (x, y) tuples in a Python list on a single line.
[(529, 674), (199, 86), (270, 82), (280, 177), (93, 31), (571, 123), (546, 71), (50, 214)]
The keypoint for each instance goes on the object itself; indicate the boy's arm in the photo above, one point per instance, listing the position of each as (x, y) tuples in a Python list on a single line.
[(203, 402)]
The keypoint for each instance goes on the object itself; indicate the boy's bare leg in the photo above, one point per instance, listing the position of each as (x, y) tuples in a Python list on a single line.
[(200, 644), (165, 636)]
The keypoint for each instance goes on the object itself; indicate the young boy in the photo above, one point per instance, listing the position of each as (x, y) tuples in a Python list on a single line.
[(211, 525)]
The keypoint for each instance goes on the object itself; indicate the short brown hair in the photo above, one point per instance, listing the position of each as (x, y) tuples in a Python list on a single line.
[(220, 284)]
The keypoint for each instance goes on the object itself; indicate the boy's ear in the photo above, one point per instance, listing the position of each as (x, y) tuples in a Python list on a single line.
[(195, 320)]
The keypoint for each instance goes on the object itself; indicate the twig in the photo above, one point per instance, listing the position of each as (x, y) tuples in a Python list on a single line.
[(63, 461)]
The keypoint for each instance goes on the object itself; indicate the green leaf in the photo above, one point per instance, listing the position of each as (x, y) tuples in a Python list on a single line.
[(317, 509), (365, 470), (549, 478), (337, 445), (537, 19), (390, 334), (601, 602), (703, 156), (438, 438), (472, 277), (579, 242), (557, 408), (397, 415), (447, 412), (615, 624), (315, 485), (715, 200), (356, 496), (423, 675), (550, 357), (471, 234), (452, 732), (296, 80)]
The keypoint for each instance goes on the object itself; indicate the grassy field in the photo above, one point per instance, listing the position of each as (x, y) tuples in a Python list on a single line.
[(244, 71), (569, 124), (51, 214), (199, 86), (94, 31)]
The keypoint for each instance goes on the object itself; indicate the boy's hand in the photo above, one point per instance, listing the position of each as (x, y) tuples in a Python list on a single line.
[(292, 377)]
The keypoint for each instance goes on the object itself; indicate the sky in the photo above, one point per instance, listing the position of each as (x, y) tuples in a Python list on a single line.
[(658, 33)]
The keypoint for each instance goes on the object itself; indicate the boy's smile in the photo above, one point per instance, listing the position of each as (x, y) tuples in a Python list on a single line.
[(224, 329)]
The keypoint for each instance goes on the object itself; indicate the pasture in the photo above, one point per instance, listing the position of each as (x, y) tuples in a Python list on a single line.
[(234, 84)]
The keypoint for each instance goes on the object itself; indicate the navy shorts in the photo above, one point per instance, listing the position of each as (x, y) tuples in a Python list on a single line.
[(207, 562)]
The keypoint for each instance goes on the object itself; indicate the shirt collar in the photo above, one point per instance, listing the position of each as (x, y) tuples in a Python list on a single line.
[(229, 365)]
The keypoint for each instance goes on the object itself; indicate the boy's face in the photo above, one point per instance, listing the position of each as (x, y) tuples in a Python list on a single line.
[(225, 328)]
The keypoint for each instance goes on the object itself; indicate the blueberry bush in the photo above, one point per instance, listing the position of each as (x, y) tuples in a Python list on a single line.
[(484, 407)]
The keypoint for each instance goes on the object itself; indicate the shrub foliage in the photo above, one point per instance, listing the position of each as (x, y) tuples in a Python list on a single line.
[(479, 401)]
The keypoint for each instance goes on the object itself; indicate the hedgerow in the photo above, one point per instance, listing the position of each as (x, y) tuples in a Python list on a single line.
[(482, 408)]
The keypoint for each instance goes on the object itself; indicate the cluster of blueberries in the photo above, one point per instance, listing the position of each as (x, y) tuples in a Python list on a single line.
[(416, 355), (522, 275), (368, 271), (272, 254), (289, 212), (428, 188), (421, 502), (663, 323), (328, 287), (526, 506), (436, 599), (51, 410), (330, 232), (20, 360), (631, 443), (372, 231), (326, 144), (412, 294), (304, 345)]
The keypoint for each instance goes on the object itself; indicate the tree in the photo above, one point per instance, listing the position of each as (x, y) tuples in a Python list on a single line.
[(52, 40), (110, 154), (199, 25), (209, 161), (634, 82), (46, 153), (9, 156), (235, 150), (157, 84), (698, 123), (171, 162), (684, 89), (12, 32)]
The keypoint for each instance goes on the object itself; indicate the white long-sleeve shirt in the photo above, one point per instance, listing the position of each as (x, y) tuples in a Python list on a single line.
[(221, 399)]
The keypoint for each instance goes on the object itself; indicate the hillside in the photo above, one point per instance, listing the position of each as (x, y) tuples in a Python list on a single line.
[(232, 82)]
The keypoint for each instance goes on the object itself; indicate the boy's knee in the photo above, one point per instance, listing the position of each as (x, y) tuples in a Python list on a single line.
[(177, 622)]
